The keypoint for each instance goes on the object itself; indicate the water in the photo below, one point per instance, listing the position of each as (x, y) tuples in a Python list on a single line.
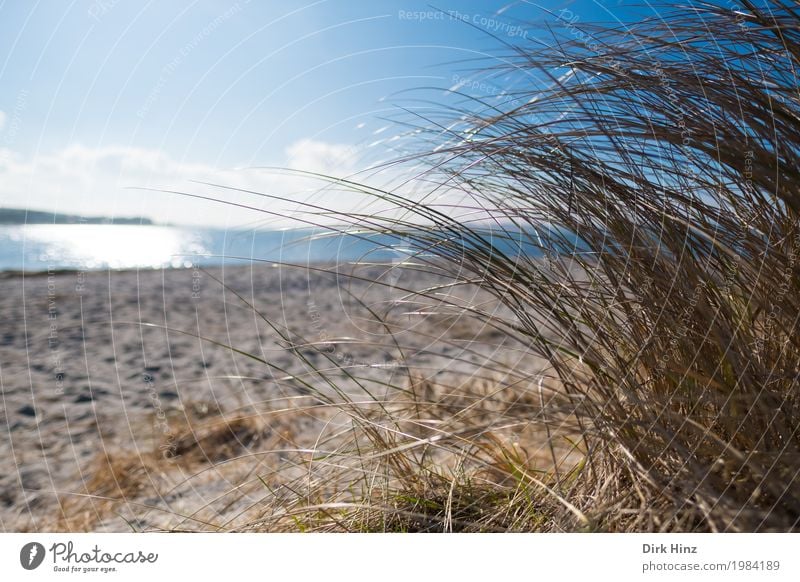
[(41, 247)]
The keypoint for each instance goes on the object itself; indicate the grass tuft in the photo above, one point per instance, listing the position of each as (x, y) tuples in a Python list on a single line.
[(636, 369), (657, 172)]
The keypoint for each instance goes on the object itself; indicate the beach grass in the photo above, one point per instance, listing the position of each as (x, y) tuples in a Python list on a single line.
[(655, 168)]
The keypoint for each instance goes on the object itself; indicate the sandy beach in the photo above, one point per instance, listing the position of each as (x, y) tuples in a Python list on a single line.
[(124, 406), (359, 267)]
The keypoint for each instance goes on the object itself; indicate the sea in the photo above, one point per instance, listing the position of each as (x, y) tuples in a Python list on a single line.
[(43, 247)]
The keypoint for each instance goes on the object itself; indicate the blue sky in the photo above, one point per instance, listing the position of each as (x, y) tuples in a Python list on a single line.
[(102, 94)]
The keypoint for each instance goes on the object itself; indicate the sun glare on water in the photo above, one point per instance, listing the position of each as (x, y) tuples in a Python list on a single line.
[(93, 246)]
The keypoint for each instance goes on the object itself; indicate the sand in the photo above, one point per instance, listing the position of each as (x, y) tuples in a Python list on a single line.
[(125, 408)]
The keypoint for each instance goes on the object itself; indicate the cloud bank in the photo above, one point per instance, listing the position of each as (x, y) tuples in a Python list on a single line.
[(107, 181)]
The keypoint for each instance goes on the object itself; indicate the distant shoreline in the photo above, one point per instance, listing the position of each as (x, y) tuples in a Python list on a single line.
[(21, 217)]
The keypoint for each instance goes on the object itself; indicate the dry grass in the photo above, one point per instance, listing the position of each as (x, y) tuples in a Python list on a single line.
[(124, 483), (670, 151)]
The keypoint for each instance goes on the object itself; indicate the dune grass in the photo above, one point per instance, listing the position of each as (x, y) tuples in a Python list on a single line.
[(665, 155), (656, 168)]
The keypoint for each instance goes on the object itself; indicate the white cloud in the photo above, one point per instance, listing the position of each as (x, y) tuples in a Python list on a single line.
[(99, 180), (108, 181), (322, 157)]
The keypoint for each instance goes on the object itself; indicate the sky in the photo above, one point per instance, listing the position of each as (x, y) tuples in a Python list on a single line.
[(101, 98)]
